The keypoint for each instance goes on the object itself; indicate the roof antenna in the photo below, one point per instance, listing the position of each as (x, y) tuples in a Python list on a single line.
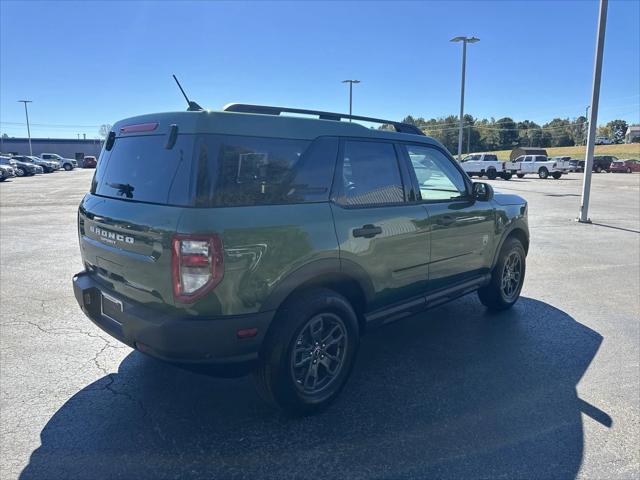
[(193, 106)]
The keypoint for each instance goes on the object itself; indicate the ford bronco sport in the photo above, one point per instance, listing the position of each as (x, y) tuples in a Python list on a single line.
[(245, 240)]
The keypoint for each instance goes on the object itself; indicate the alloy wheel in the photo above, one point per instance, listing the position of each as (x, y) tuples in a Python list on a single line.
[(511, 275), (319, 353)]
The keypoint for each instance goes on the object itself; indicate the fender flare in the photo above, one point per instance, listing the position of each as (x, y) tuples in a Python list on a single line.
[(518, 224), (326, 267)]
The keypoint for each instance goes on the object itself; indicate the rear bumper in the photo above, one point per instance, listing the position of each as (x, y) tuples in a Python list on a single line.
[(186, 341)]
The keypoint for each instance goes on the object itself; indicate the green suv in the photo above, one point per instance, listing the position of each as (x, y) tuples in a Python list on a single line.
[(245, 240)]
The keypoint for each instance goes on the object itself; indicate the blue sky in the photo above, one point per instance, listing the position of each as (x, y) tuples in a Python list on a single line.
[(85, 64)]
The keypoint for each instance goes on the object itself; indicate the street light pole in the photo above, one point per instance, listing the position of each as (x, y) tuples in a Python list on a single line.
[(350, 82), (586, 123), (464, 41), (26, 112), (595, 98)]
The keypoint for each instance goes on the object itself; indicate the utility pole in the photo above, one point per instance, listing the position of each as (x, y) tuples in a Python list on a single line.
[(586, 123), (469, 139), (26, 112), (350, 82), (595, 98), (464, 41)]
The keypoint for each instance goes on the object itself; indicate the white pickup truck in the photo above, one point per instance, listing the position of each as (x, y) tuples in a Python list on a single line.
[(485, 164), (536, 164)]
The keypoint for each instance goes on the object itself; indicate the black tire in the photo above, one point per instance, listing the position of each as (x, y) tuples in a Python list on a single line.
[(275, 378), (493, 296), (628, 169), (506, 176), (20, 172), (520, 175), (492, 174), (556, 175), (67, 167), (543, 173), (598, 169)]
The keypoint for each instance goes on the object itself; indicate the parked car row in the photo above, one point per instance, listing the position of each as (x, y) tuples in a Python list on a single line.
[(488, 165), (29, 165)]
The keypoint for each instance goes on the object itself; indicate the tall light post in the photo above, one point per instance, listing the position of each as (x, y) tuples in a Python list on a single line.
[(26, 112), (464, 41), (583, 216), (350, 82), (586, 123)]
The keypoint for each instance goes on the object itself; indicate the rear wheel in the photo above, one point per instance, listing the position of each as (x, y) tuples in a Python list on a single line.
[(598, 169), (506, 279), (492, 174), (506, 176), (309, 352), (520, 175), (556, 175), (628, 169), (543, 173)]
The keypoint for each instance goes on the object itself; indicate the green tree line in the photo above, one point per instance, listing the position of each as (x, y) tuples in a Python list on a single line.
[(505, 133)]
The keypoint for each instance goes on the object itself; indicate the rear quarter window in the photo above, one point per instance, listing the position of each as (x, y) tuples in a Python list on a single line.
[(242, 170)]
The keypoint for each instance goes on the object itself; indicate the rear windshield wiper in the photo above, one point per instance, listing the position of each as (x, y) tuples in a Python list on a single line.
[(124, 189)]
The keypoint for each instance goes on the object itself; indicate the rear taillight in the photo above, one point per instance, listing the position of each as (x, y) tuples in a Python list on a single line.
[(197, 265)]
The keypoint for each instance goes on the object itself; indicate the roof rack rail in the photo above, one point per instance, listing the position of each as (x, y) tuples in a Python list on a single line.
[(270, 110)]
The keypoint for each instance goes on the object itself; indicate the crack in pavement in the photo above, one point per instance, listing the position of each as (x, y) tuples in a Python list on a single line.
[(110, 377)]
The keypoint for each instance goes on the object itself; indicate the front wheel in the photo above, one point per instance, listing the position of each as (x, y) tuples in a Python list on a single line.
[(506, 279), (506, 176), (628, 169), (543, 173), (20, 172), (598, 170), (67, 167), (309, 352), (556, 175)]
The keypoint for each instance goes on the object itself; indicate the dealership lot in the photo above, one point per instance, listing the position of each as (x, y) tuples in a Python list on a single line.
[(547, 390)]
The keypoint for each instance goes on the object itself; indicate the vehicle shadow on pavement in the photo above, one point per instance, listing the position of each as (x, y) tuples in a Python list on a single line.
[(452, 393)]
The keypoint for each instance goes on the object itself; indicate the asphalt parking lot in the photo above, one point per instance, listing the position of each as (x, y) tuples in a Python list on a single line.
[(549, 389)]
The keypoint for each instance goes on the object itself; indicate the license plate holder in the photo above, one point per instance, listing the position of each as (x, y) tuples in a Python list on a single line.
[(110, 307)]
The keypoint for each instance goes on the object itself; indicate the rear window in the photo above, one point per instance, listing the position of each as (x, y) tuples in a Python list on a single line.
[(140, 168)]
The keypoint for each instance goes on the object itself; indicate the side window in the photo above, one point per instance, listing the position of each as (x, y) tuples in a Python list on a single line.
[(490, 158), (528, 158), (237, 170), (370, 174), (437, 176)]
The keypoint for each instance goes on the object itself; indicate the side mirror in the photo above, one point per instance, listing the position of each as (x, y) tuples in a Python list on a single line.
[(482, 191)]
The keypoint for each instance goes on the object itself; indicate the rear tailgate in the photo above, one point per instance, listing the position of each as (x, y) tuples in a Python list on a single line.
[(129, 249), (126, 224)]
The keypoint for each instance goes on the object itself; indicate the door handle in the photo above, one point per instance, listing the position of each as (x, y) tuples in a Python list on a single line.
[(446, 220), (367, 231)]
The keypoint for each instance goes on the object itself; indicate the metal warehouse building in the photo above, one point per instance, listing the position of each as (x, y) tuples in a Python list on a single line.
[(68, 148)]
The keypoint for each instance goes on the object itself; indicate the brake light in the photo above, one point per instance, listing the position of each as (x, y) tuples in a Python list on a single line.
[(137, 128), (197, 265)]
